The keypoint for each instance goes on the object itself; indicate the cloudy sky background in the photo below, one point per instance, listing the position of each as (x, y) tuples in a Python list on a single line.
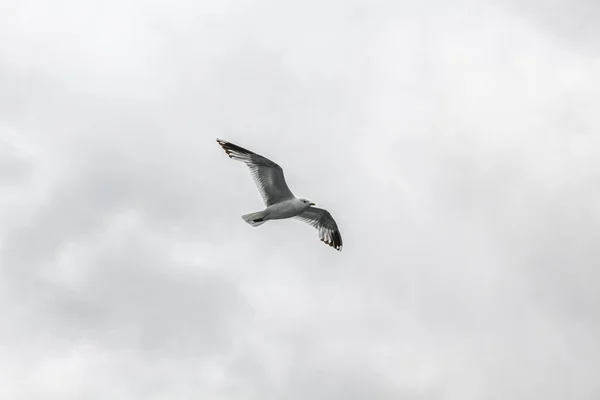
[(456, 143)]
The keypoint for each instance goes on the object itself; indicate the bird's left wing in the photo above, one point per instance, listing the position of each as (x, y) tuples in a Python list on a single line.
[(267, 175), (325, 224)]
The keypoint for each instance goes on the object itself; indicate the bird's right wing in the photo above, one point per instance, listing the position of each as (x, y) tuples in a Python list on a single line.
[(267, 175), (325, 224)]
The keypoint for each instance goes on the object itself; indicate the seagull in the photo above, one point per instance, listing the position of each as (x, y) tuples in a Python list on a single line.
[(280, 202)]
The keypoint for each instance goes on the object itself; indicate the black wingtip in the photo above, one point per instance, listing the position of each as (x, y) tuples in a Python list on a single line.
[(336, 241), (228, 146)]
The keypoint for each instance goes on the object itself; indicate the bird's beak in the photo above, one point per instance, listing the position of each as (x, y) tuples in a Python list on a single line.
[(312, 204)]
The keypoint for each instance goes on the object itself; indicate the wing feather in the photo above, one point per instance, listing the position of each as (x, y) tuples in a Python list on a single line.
[(267, 175), (325, 224)]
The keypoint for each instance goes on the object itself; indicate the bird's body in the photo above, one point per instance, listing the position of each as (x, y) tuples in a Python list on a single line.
[(282, 210), (280, 202), (286, 209)]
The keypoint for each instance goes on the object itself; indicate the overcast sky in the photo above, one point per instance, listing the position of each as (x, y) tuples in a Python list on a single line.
[(457, 144)]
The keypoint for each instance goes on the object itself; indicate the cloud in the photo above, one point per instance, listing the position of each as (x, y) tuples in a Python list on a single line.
[(454, 144)]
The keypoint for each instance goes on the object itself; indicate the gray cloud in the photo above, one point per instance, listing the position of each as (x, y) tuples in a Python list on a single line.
[(454, 144)]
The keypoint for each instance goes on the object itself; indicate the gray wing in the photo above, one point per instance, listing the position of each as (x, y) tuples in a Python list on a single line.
[(325, 224), (267, 175)]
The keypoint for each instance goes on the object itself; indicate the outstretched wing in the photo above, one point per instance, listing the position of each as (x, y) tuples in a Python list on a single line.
[(325, 224), (267, 175)]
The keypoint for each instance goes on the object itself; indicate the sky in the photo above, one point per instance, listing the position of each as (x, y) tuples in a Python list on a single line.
[(455, 143)]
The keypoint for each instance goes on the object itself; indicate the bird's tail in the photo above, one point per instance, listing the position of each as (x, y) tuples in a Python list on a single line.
[(254, 219)]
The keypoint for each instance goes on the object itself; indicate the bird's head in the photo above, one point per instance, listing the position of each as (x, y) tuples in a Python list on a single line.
[(307, 202)]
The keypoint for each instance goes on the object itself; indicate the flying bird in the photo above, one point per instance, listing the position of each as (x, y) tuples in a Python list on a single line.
[(280, 202)]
